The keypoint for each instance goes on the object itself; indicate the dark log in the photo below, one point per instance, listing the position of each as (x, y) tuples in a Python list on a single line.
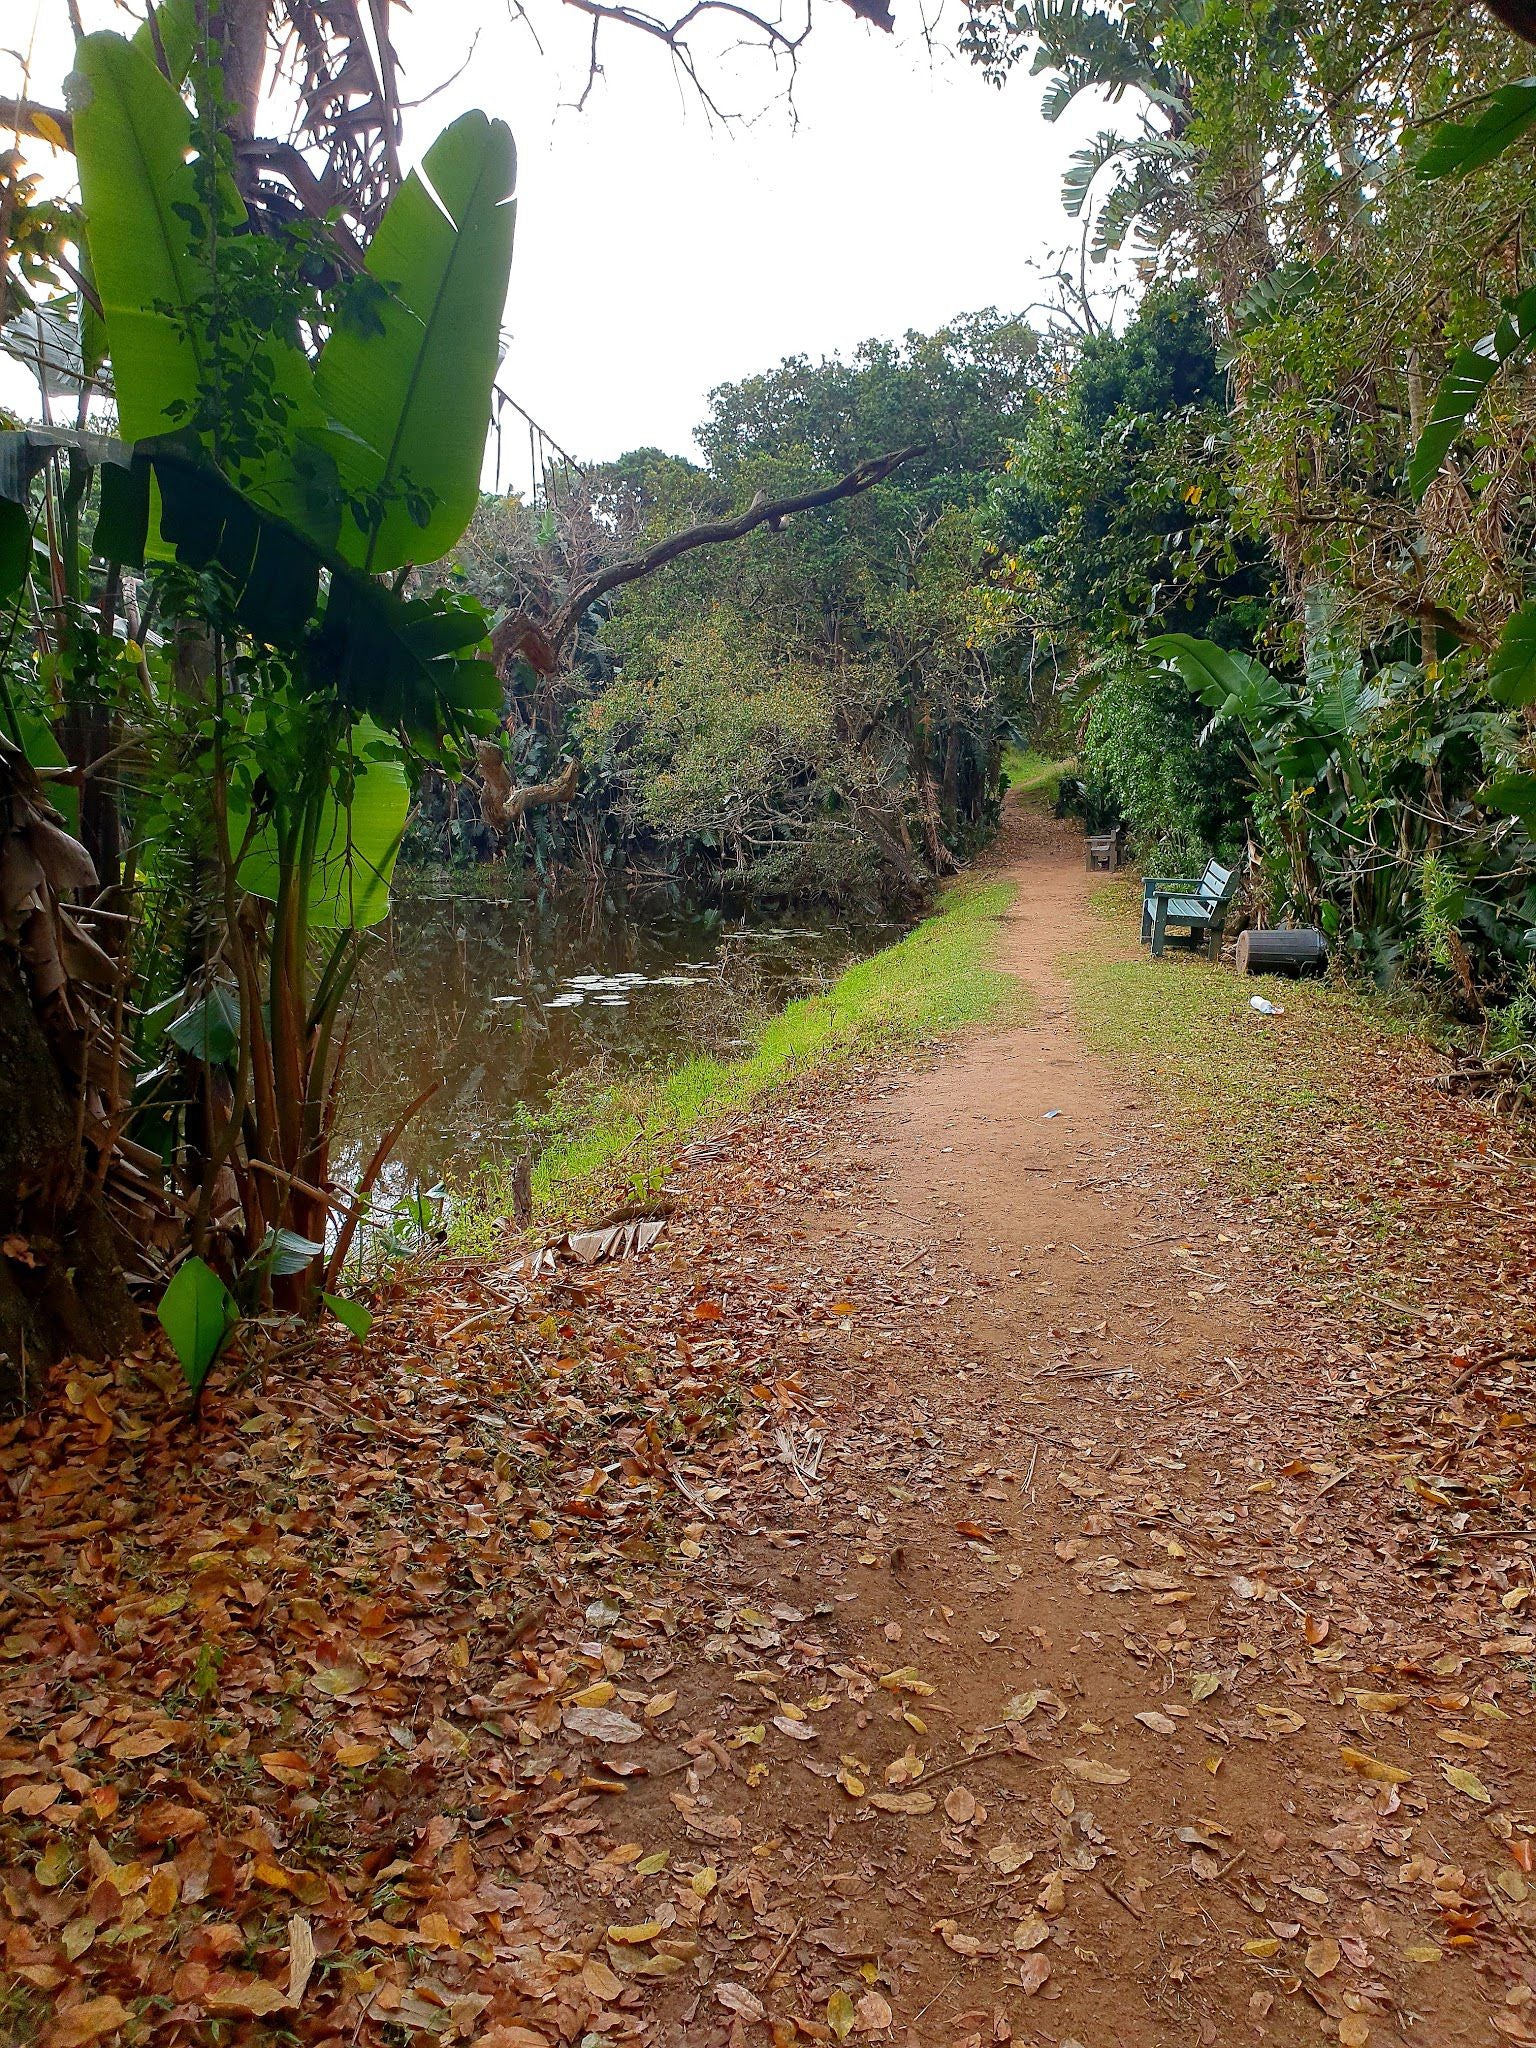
[(1301, 951)]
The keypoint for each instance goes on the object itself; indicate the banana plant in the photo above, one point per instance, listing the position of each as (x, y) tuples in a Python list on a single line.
[(287, 451)]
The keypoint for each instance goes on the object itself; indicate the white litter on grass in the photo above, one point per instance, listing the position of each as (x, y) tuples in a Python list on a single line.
[(1265, 1007)]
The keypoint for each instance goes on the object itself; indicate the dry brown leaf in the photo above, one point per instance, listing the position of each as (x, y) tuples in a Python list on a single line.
[(301, 1957), (253, 1995), (1034, 1971), (1092, 1772), (600, 1980), (738, 1999), (286, 1766), (78, 2024), (873, 2014), (1160, 1724), (960, 1805), (601, 1724), (901, 1802), (1373, 1767)]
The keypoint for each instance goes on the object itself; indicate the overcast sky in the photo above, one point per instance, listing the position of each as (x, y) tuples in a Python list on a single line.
[(658, 254)]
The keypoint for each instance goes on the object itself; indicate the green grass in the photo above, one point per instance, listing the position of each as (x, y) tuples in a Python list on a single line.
[(1251, 1088), (1034, 776), (937, 979)]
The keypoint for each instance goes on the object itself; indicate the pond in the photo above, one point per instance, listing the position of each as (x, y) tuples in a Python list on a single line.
[(505, 1001)]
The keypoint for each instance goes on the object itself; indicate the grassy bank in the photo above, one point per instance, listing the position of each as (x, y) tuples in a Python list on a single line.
[(1259, 1092), (935, 980), (1034, 777)]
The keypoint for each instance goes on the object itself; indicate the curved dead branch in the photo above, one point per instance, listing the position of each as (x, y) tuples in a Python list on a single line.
[(543, 644)]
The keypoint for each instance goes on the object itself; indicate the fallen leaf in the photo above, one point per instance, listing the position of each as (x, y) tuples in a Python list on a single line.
[(738, 1999), (1354, 2030), (907, 1680), (1008, 1856), (1033, 1972), (642, 1930), (1322, 1956), (31, 1800), (874, 2013), (950, 1933), (253, 1995), (1373, 1767), (1031, 1932), (594, 1695), (338, 1675), (601, 1724), (1468, 1783), (286, 1766), (901, 1802), (1094, 1773), (1160, 1724), (301, 1957), (78, 2024), (841, 2015), (798, 1731), (960, 1805)]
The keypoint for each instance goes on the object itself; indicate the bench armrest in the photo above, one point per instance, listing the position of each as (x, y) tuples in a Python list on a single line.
[(1169, 885)]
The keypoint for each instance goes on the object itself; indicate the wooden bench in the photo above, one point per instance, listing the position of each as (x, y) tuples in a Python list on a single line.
[(1199, 906)]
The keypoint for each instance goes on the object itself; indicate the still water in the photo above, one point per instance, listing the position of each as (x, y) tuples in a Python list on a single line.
[(506, 1001)]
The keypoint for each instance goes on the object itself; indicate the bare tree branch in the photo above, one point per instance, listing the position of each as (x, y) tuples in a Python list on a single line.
[(542, 644), (23, 115)]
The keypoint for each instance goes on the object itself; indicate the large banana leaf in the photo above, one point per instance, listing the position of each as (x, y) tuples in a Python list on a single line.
[(1472, 370), (407, 395), (170, 30), (1233, 685), (1512, 678), (158, 284), (1458, 146), (133, 136)]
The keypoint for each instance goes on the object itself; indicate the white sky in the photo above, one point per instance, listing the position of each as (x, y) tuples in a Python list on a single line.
[(658, 254)]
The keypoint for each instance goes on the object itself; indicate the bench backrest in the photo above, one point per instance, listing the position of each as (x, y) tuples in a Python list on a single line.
[(1217, 884)]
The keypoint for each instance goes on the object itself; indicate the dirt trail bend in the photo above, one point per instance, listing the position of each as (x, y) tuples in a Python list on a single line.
[(1042, 1698)]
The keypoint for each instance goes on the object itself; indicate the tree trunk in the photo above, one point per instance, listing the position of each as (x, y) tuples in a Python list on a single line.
[(61, 1288)]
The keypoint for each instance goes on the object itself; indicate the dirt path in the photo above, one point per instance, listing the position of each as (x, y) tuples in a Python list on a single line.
[(1108, 1756)]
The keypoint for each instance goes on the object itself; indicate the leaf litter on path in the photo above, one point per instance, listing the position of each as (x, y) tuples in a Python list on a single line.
[(493, 1681)]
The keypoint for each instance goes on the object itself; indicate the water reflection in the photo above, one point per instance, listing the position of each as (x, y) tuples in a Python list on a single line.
[(505, 1000)]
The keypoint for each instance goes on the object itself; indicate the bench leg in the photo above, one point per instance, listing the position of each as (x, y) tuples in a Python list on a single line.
[(1159, 928), (1146, 920)]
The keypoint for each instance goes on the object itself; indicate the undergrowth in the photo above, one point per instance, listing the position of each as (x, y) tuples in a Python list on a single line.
[(617, 1143)]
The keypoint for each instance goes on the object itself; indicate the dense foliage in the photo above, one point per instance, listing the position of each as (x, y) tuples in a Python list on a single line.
[(1312, 448)]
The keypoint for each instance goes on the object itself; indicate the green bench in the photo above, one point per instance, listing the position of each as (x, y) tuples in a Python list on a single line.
[(1199, 906)]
